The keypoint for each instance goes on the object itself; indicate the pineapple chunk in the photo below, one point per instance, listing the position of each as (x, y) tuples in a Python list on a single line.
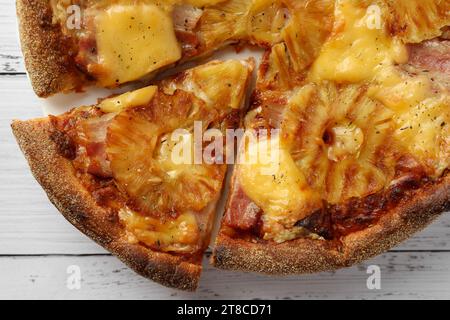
[(278, 73), (336, 134), (223, 23), (143, 143), (134, 98), (221, 85), (421, 115), (136, 148), (346, 141), (309, 27), (266, 20), (418, 20)]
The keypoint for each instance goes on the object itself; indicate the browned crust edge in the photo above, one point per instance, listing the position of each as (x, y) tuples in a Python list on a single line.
[(310, 256), (57, 177), (46, 51)]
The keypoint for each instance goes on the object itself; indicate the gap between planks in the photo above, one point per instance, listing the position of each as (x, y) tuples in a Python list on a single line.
[(403, 276)]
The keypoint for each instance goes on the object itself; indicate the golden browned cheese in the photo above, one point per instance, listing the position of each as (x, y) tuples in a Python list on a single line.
[(140, 146), (351, 116), (202, 26), (333, 79), (170, 199), (135, 152), (125, 40)]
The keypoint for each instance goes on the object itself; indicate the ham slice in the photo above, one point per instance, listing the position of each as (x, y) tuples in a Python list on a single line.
[(431, 55), (93, 136), (242, 213)]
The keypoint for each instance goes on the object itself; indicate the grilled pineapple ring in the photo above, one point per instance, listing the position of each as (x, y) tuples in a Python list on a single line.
[(140, 155), (352, 118)]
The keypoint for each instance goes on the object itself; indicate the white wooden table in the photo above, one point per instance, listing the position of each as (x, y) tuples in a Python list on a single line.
[(37, 245)]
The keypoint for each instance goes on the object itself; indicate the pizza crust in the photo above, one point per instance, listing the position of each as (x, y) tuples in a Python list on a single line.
[(57, 177), (46, 51), (52, 69), (310, 256)]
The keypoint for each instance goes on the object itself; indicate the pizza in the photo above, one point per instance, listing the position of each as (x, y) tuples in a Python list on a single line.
[(345, 145), (108, 167), (364, 141), (70, 44)]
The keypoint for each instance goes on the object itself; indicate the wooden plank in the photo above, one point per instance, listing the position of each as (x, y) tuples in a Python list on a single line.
[(28, 221), (10, 55), (403, 276), (29, 224)]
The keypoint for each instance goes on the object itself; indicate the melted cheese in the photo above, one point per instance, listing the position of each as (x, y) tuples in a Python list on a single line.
[(420, 113), (134, 98), (219, 84), (357, 49), (425, 131), (289, 198), (132, 41), (176, 235), (390, 113), (399, 92)]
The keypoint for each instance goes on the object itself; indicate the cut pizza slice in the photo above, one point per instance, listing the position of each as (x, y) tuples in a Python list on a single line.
[(125, 171), (354, 153), (70, 44)]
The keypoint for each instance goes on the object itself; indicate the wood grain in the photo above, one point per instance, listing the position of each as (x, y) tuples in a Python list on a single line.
[(29, 224), (403, 275), (37, 244), (11, 61), (28, 221)]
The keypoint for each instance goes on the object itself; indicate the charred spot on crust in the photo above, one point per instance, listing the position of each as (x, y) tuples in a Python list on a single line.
[(357, 214), (338, 220), (398, 191), (65, 145), (45, 18), (319, 223)]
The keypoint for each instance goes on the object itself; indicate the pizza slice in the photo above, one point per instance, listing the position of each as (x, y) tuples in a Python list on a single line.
[(69, 44), (125, 172), (350, 155)]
